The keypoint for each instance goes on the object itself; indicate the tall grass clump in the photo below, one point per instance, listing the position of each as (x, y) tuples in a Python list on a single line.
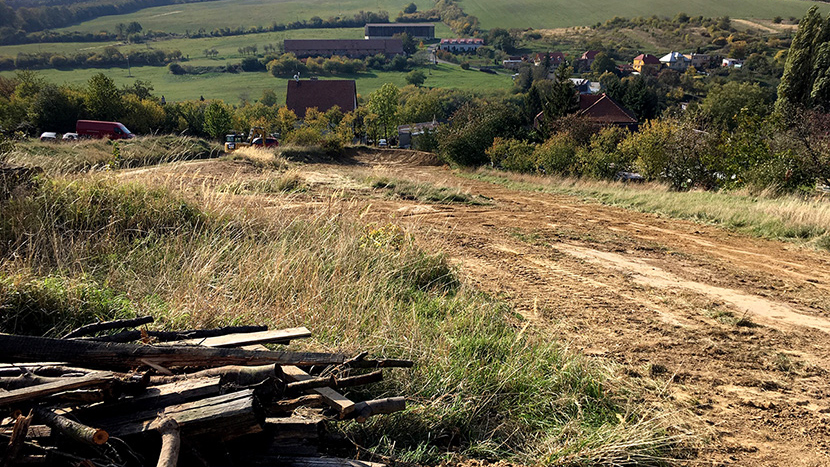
[(426, 192), (765, 215), (99, 154), (480, 388)]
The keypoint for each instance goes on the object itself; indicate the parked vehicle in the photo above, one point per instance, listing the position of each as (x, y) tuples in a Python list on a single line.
[(256, 137), (382, 143), (98, 129), (48, 136), (70, 137)]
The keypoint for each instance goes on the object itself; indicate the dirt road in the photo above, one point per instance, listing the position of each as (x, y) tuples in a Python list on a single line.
[(741, 326)]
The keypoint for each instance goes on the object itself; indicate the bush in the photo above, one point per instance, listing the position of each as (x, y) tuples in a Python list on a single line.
[(557, 155), (465, 65), (603, 159), (473, 128), (512, 154)]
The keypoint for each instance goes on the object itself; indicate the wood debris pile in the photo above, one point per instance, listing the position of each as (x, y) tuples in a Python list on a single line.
[(207, 397)]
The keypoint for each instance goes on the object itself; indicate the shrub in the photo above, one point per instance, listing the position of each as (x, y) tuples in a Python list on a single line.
[(473, 128), (603, 159), (557, 155), (512, 154), (465, 65)]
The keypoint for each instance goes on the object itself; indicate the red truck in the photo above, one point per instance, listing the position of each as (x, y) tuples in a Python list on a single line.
[(97, 129)]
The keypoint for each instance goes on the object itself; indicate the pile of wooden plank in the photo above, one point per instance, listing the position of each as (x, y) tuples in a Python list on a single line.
[(203, 397)]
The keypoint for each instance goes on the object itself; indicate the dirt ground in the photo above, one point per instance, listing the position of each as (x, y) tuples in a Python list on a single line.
[(738, 325)]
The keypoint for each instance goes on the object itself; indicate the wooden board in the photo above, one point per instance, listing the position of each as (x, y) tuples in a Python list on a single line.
[(333, 398), (279, 336), (65, 384), (110, 355)]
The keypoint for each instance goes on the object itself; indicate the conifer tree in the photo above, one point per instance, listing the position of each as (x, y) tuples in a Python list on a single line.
[(796, 83)]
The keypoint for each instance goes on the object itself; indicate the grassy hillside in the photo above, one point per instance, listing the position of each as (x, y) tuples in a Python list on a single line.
[(540, 14), (233, 88)]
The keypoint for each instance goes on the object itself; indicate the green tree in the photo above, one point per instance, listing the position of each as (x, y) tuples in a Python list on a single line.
[(416, 77), (501, 39), (408, 43), (103, 101), (384, 103), (724, 104), (797, 82), (218, 119), (602, 63), (269, 97), (411, 8), (55, 109)]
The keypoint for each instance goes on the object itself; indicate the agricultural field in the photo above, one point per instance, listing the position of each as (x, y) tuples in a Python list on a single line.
[(236, 87), (538, 14)]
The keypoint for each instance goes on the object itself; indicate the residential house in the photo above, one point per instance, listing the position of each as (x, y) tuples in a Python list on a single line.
[(414, 30), (602, 110), (514, 62), (676, 61), (555, 58), (585, 86), (589, 56), (409, 134), (646, 62), (302, 95), (461, 45), (699, 61), (352, 48), (732, 62)]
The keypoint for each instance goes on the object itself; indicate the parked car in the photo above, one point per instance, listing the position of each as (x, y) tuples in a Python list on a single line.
[(382, 143), (70, 137), (98, 129), (48, 136)]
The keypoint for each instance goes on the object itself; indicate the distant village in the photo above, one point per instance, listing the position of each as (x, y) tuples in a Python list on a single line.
[(384, 39)]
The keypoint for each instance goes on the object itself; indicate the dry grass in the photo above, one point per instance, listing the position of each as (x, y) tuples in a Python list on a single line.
[(791, 218), (93, 246)]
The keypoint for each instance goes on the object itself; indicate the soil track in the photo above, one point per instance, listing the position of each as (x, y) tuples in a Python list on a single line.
[(739, 325)]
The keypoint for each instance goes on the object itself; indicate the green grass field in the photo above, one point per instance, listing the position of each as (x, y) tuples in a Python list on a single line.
[(233, 88), (540, 14), (241, 13)]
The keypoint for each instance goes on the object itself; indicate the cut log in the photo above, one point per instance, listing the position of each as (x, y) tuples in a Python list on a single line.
[(35, 431), (126, 356), (168, 336), (10, 383), (335, 383), (72, 429), (63, 384), (281, 336), (171, 442), (238, 375), (364, 410), (107, 325), (223, 417), (18, 438), (333, 399)]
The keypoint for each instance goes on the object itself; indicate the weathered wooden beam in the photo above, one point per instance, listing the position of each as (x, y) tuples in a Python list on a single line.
[(289, 405), (334, 399), (366, 409), (224, 417), (280, 336), (168, 336), (235, 374), (126, 356), (155, 397), (62, 384), (107, 325)]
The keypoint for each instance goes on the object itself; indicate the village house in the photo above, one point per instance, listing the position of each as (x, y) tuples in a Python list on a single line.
[(588, 57), (699, 61), (646, 62), (732, 63), (352, 48), (414, 30), (586, 86), (602, 110), (409, 134), (302, 95), (514, 62), (556, 58), (461, 45), (676, 61)]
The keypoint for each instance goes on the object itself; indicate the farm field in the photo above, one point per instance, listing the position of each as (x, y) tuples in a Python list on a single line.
[(539, 14), (233, 88), (733, 327)]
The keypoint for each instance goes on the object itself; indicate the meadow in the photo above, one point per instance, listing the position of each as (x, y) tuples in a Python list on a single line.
[(539, 14), (236, 87)]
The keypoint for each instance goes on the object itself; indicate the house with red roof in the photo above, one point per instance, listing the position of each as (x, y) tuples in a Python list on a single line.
[(302, 95), (647, 62), (602, 110), (556, 58)]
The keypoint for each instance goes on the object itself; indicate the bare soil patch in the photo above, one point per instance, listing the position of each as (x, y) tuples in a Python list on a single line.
[(737, 327)]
